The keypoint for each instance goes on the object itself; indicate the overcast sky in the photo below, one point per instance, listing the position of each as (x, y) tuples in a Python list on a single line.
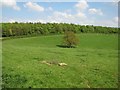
[(82, 12)]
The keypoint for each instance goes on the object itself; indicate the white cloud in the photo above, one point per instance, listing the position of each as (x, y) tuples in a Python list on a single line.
[(16, 8), (82, 5), (81, 15), (64, 17), (60, 17), (68, 10), (115, 19), (11, 21), (109, 23), (34, 6), (95, 11), (50, 8), (62, 14), (10, 3)]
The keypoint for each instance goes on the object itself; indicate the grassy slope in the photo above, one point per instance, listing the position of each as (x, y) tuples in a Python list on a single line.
[(92, 64)]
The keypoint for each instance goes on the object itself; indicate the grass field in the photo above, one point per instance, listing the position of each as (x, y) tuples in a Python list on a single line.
[(93, 64)]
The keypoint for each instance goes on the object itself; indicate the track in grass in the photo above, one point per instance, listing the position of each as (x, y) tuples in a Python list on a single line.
[(94, 63)]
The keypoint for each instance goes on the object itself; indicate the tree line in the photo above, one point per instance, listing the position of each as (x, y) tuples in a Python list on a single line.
[(19, 29)]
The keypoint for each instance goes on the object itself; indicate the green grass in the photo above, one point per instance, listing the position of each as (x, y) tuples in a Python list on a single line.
[(93, 64)]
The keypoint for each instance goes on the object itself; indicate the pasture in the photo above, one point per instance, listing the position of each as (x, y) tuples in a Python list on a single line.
[(93, 64)]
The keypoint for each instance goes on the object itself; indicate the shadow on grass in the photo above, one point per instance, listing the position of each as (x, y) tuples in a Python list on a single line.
[(65, 46)]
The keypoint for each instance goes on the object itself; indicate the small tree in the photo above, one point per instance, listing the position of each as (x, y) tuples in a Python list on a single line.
[(70, 39)]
